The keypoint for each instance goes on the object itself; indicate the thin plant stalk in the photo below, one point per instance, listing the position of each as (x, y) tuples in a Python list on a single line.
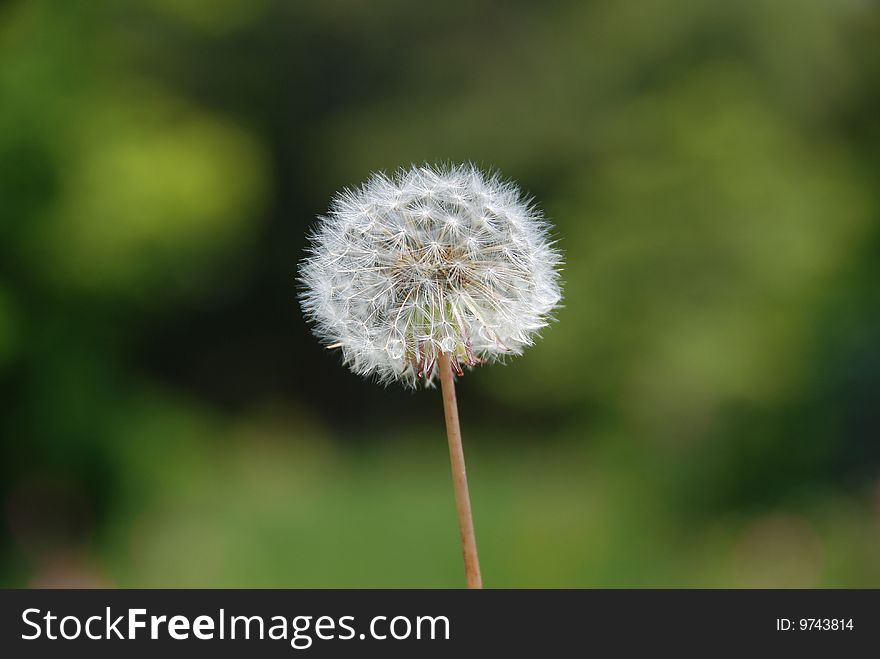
[(459, 474)]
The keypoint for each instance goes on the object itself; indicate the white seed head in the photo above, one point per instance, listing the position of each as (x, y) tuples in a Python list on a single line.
[(429, 261)]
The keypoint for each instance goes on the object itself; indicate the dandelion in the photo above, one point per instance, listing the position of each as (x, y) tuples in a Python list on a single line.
[(427, 272)]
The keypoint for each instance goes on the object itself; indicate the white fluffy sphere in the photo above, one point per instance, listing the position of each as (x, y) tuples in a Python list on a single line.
[(430, 260)]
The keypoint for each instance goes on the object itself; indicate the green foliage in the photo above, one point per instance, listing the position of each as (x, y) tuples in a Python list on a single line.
[(703, 413)]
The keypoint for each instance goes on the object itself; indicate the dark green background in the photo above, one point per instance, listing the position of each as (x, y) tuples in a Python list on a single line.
[(704, 413)]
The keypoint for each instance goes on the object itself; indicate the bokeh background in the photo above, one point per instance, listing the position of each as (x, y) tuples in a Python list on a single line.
[(704, 413)]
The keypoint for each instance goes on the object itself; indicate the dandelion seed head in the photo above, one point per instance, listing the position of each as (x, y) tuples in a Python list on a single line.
[(429, 261)]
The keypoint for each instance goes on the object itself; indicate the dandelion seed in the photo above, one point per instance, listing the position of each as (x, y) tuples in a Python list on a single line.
[(432, 261)]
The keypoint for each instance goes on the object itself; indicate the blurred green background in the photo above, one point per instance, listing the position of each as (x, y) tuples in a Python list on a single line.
[(704, 413)]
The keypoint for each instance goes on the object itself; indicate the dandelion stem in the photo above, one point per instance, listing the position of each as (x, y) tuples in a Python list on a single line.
[(459, 474)]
